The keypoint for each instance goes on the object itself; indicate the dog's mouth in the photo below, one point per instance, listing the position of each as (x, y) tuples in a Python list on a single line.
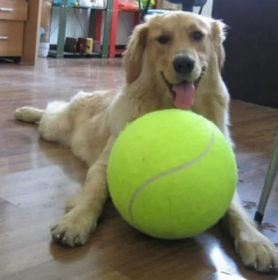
[(183, 92)]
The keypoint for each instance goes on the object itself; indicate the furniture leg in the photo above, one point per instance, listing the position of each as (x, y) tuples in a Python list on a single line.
[(107, 29), (31, 33), (62, 29), (114, 27), (268, 184)]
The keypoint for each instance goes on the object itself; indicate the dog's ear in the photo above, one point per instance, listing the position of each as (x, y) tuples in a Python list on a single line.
[(219, 31), (133, 56)]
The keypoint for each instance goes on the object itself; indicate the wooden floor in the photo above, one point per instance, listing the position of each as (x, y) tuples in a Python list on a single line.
[(36, 178)]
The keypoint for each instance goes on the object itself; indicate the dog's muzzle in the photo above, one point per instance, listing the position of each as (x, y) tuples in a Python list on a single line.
[(183, 92)]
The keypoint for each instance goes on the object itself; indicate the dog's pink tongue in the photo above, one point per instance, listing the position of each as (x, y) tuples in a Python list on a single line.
[(185, 95)]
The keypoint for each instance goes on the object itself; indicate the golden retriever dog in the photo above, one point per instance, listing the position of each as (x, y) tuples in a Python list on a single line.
[(172, 61)]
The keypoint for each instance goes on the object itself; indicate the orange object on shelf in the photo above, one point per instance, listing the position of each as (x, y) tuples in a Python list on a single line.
[(121, 6), (128, 6)]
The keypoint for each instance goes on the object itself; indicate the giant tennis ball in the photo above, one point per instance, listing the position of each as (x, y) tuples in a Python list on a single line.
[(172, 174)]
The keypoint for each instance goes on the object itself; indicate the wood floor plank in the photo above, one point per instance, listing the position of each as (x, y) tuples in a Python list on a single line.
[(36, 178)]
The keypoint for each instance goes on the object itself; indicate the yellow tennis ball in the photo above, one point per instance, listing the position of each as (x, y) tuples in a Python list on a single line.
[(172, 174)]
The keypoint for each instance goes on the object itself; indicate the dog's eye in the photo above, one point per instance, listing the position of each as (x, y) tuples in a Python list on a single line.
[(197, 36), (164, 39)]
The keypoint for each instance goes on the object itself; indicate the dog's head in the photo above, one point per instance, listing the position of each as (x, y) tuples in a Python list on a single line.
[(178, 47)]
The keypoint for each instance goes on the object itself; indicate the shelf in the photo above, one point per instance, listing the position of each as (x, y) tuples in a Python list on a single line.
[(129, 11), (119, 52), (80, 7), (52, 53), (95, 24)]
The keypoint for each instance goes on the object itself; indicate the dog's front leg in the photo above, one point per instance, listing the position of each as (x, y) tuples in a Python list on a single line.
[(75, 227), (255, 250), (253, 247)]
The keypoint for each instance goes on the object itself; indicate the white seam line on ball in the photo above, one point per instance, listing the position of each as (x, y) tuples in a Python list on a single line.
[(166, 173)]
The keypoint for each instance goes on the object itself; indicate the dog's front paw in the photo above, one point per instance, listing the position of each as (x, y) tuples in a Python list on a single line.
[(74, 228), (256, 251), (28, 114), (22, 113)]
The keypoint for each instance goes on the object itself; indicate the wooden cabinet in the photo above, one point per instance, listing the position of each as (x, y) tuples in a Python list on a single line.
[(11, 39), (19, 29), (13, 14), (15, 10)]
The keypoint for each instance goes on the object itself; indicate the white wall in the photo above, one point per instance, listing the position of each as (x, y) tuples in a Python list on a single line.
[(207, 10), (77, 24)]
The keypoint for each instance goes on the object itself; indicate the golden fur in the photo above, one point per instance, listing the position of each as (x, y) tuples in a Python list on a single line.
[(90, 122)]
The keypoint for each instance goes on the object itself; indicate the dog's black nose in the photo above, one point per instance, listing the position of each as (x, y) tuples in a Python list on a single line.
[(183, 64)]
